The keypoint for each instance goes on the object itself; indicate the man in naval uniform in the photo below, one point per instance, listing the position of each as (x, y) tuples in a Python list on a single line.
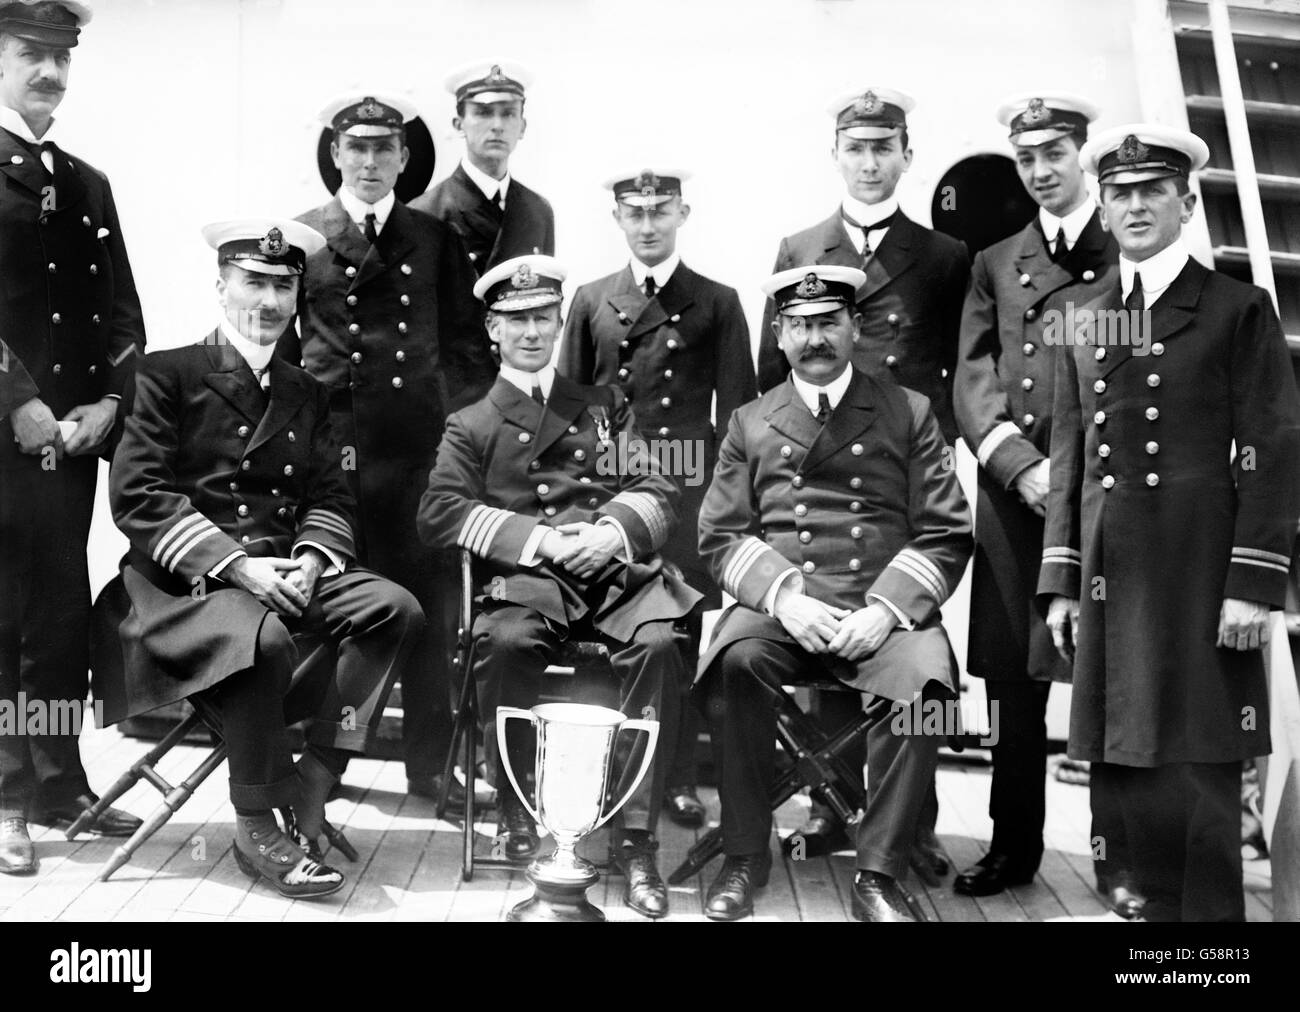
[(836, 521), (229, 486), (1003, 400), (496, 216), (672, 339), (566, 541), (70, 331), (390, 326), (1175, 486)]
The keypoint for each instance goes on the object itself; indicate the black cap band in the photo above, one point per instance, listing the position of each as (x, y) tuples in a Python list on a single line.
[(1152, 159)]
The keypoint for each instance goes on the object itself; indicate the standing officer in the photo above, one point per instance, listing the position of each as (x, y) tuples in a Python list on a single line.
[(1003, 400), (672, 339), (390, 326), (911, 314), (496, 216), (70, 328), (228, 484), (1170, 524), (565, 538), (837, 523)]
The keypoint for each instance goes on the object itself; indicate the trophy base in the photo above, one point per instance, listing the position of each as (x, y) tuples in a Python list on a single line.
[(558, 895)]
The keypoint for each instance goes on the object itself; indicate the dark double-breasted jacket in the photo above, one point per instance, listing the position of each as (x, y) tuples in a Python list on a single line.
[(910, 306), (1002, 396), (507, 466), (490, 235), (70, 320), (1152, 521), (209, 468), (670, 355), (867, 505)]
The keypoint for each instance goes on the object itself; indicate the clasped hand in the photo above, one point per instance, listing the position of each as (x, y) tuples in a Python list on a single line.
[(582, 548), (283, 585), (35, 427), (825, 629)]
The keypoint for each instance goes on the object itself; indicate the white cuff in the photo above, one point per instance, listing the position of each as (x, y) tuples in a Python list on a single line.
[(627, 545), (215, 571), (339, 563), (1000, 434), (529, 557), (769, 599), (903, 620)]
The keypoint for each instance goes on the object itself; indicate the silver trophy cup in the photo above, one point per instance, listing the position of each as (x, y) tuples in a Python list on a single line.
[(575, 752)]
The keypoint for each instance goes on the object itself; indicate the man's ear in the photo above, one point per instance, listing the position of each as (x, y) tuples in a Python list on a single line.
[(457, 125), (1189, 207), (406, 157), (523, 126), (334, 153), (857, 326), (686, 212), (907, 159)]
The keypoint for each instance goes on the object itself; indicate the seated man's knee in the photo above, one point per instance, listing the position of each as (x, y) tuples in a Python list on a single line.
[(276, 651), (399, 604), (510, 631)]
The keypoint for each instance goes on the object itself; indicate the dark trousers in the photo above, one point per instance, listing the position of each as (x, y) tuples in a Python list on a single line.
[(512, 647), (740, 692), (44, 623), (1183, 822), (680, 754), (1018, 792), (370, 625)]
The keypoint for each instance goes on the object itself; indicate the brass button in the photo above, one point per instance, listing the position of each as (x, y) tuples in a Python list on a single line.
[(1153, 479), (1103, 450), (1108, 482), (623, 374), (58, 369), (623, 318), (356, 358), (245, 465), (242, 431), (351, 300), (1099, 354), (543, 488), (797, 481), (56, 318), (524, 437), (892, 319), (855, 565), (405, 300), (671, 343), (809, 567), (405, 269), (855, 506), (1089, 275), (53, 268), (400, 356), (549, 511), (292, 437), (663, 430), (1028, 419), (1153, 380), (666, 402), (234, 486), (86, 220), (1031, 314), (275, 491), (1153, 447), (585, 480), (1099, 417), (801, 510), (94, 318), (242, 511), (1027, 383), (579, 454), (354, 328), (401, 328), (856, 449), (1024, 280), (397, 382), (855, 533), (288, 470), (593, 502), (1152, 414), (573, 430), (533, 465), (624, 344), (282, 512), (245, 540), (1157, 349), (351, 272), (675, 318), (786, 451), (1099, 387), (891, 361), (668, 374), (94, 269), (855, 483), (1029, 348), (805, 537), (91, 370)]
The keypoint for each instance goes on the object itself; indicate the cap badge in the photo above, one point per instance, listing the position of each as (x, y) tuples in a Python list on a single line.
[(1036, 113), (1133, 150), (811, 287), (273, 244), (647, 182), (369, 109), (523, 277), (867, 104), (495, 76)]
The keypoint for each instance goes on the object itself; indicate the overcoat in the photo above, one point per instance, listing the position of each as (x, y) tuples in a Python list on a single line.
[(1152, 522)]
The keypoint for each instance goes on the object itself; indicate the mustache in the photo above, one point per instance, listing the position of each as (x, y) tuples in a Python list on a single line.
[(821, 351), (49, 87)]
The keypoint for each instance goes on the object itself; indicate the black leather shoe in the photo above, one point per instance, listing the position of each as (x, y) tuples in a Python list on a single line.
[(877, 897), (516, 830), (685, 807), (731, 895), (991, 874), (431, 788), (644, 891), (262, 851), (928, 859), (17, 853), (113, 822), (820, 836), (1123, 898)]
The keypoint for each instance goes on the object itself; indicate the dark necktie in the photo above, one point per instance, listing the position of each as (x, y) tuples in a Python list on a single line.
[(883, 223), (1136, 301), (823, 409), (1059, 248), (537, 394), (372, 234), (650, 287)]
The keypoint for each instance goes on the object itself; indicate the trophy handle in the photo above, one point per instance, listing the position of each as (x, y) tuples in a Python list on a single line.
[(504, 713), (650, 727)]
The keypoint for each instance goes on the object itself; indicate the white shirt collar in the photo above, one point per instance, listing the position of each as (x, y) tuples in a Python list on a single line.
[(1158, 271), (869, 214), (358, 209), (258, 356), (484, 182), (525, 381), (661, 272), (834, 390), (15, 124), (1074, 223)]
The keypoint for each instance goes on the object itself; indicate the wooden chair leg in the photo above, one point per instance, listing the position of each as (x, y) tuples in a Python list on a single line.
[(470, 709)]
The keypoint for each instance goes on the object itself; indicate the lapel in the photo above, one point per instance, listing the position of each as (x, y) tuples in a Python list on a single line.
[(628, 300), (851, 417), (399, 235), (233, 379), (27, 171), (515, 406), (288, 391), (895, 254), (346, 241), (1032, 259), (791, 417), (478, 214), (562, 407), (513, 222), (1172, 314), (668, 303), (69, 187)]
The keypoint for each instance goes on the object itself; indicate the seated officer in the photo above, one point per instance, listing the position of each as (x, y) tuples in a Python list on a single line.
[(836, 522), (566, 538), (228, 484)]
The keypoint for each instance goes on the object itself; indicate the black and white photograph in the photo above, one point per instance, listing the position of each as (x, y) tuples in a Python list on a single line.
[(785, 461)]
